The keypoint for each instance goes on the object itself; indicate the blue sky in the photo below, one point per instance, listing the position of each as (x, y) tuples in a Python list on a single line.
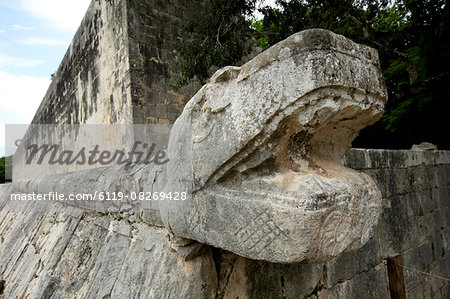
[(34, 36)]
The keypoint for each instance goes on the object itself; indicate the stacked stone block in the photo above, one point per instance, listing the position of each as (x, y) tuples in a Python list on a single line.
[(120, 66)]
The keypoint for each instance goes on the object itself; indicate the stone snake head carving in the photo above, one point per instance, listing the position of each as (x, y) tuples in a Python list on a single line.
[(266, 141)]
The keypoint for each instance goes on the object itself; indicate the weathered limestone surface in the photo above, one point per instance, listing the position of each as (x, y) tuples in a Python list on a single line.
[(92, 83), (64, 252), (119, 66), (415, 221), (154, 27), (67, 252)]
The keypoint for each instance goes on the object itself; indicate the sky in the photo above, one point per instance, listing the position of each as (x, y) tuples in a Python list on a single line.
[(34, 36)]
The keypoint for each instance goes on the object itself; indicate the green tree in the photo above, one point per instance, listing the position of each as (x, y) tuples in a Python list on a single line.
[(2, 170), (219, 36), (412, 38), (5, 168)]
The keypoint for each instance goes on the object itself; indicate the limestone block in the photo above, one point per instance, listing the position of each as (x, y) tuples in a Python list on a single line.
[(349, 264), (424, 146), (356, 158), (244, 278), (60, 253)]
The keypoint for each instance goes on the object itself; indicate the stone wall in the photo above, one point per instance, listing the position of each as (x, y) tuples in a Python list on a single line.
[(119, 66), (416, 219), (92, 83), (154, 28), (66, 251)]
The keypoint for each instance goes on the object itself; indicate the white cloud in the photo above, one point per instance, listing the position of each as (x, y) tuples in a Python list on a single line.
[(65, 15), (6, 60), (16, 27), (2, 135), (43, 41), (21, 95), (1, 31)]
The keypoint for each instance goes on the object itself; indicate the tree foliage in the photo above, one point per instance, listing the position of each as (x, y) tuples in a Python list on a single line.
[(5, 163), (217, 37), (412, 37), (2, 170)]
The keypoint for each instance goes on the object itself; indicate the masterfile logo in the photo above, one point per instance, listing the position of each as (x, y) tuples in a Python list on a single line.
[(95, 156), (40, 150)]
